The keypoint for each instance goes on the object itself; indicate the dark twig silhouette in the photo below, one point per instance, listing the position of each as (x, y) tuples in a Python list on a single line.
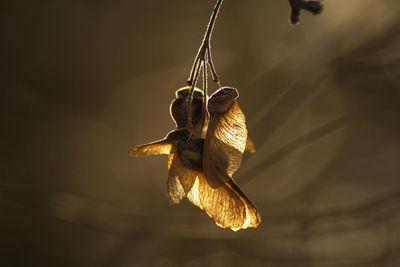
[(314, 6)]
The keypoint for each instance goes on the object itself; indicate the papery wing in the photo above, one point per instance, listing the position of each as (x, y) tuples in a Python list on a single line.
[(221, 203), (154, 148), (224, 144), (180, 178), (226, 204), (253, 218)]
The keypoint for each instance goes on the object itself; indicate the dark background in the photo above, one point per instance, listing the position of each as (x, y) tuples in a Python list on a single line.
[(83, 81)]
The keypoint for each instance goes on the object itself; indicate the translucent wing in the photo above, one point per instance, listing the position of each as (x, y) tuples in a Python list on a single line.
[(253, 218), (224, 144), (226, 204), (154, 148), (180, 178), (175, 191)]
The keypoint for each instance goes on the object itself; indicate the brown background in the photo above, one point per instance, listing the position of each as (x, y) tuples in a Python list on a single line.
[(83, 81)]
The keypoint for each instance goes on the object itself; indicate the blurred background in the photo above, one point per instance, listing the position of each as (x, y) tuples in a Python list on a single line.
[(83, 81)]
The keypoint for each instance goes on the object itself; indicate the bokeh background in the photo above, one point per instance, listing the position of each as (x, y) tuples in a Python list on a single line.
[(83, 81)]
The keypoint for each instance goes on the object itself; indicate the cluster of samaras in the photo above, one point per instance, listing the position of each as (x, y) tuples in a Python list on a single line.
[(207, 146), (201, 169)]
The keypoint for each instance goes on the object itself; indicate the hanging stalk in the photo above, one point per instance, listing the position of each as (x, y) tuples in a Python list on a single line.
[(203, 58), (205, 86)]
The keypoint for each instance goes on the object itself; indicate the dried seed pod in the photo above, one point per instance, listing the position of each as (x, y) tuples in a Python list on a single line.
[(224, 145), (178, 111), (226, 136), (160, 147), (179, 114), (227, 205), (314, 6), (191, 156)]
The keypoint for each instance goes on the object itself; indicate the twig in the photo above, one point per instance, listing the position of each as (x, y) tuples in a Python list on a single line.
[(203, 57), (205, 91)]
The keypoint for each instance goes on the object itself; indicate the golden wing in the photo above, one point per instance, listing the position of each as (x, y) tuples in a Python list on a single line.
[(253, 218), (224, 144), (154, 148), (180, 178), (227, 205)]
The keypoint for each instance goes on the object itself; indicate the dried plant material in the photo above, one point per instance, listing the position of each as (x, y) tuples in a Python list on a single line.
[(179, 111), (184, 164), (161, 147), (226, 204), (314, 6), (201, 169), (226, 137), (178, 177), (220, 154), (224, 145), (192, 156)]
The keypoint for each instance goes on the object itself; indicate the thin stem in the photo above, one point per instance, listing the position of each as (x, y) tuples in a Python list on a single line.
[(205, 45), (205, 88), (211, 24), (203, 57), (214, 74), (193, 70), (190, 98)]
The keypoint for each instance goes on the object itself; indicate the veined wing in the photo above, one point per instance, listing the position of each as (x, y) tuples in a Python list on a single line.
[(180, 178), (154, 148), (224, 144), (226, 204)]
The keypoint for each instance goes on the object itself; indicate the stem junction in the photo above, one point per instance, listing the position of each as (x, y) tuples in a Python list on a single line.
[(203, 58)]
